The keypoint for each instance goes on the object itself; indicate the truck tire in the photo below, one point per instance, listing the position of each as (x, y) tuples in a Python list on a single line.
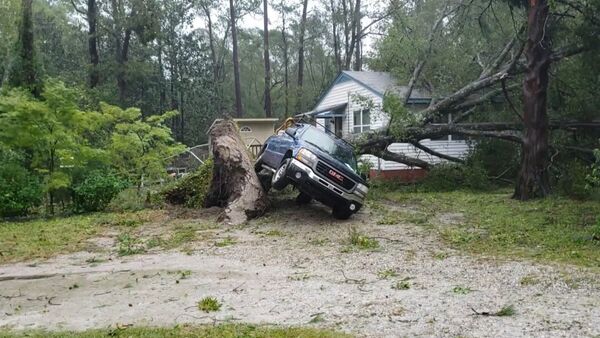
[(303, 198), (341, 212), (280, 180)]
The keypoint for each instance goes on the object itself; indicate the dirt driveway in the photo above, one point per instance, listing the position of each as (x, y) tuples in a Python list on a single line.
[(295, 267)]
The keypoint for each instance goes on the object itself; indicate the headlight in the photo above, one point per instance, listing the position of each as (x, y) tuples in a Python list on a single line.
[(307, 157), (361, 188)]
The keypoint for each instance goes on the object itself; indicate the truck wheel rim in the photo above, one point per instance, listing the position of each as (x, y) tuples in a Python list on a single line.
[(280, 171)]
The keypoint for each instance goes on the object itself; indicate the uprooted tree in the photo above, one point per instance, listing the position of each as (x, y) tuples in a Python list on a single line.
[(235, 185), (498, 76)]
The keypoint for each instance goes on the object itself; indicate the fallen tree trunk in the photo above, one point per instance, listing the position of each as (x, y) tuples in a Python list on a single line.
[(235, 185)]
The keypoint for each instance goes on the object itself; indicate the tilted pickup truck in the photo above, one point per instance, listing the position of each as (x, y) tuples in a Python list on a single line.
[(319, 165)]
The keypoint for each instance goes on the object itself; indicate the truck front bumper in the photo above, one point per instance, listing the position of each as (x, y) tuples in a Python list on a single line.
[(312, 184)]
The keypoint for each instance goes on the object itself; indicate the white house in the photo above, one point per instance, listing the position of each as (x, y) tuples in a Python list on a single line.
[(352, 104)]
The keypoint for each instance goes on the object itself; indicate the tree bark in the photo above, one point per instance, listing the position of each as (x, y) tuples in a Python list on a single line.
[(92, 18), (236, 63), (299, 103), (286, 64), (267, 61), (235, 185), (357, 38), (24, 70), (336, 42), (533, 180)]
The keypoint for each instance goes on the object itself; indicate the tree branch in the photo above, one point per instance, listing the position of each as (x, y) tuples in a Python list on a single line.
[(428, 150)]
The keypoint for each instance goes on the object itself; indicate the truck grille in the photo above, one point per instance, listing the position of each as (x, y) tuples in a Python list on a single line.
[(333, 176)]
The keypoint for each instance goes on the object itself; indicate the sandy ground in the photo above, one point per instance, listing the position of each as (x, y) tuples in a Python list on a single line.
[(294, 267)]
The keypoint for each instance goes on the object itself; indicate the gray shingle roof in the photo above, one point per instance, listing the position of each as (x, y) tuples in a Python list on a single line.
[(382, 82)]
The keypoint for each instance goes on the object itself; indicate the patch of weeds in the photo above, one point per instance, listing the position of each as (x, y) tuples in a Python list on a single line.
[(461, 290), (361, 241), (389, 218), (441, 255), (95, 260), (318, 241), (184, 274), (129, 245), (153, 242), (74, 286), (299, 277), (506, 311), (401, 285), (528, 280), (317, 318), (227, 241), (386, 273), (182, 234), (209, 304), (274, 233)]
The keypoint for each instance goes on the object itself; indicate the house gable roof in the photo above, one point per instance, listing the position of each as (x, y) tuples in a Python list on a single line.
[(379, 83)]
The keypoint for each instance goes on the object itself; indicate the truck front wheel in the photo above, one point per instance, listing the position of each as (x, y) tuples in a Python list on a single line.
[(341, 212), (280, 180)]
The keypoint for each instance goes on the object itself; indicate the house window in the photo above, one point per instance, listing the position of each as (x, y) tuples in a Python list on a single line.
[(246, 129), (362, 120)]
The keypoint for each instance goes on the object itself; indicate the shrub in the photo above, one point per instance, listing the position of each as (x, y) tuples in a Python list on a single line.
[(571, 180), (128, 200), (447, 176), (191, 190), (20, 190), (96, 191), (496, 158)]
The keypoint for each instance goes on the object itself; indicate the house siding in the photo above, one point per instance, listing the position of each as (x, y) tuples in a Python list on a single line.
[(344, 91)]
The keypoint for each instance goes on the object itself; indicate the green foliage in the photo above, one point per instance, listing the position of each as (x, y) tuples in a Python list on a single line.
[(496, 157), (572, 180), (129, 245), (401, 117), (593, 178), (361, 241), (448, 177), (128, 200), (96, 191), (20, 190), (209, 304), (191, 190)]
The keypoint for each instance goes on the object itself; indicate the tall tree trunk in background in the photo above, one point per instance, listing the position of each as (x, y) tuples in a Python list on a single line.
[(236, 62), (347, 53), (533, 178), (336, 42), (286, 65), (92, 18), (357, 38), (267, 62), (211, 43), (23, 71), (122, 58), (299, 99), (161, 78)]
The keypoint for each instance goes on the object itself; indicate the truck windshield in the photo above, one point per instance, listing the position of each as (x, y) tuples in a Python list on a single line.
[(326, 143)]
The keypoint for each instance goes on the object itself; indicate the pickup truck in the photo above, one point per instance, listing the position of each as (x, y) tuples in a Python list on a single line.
[(321, 166)]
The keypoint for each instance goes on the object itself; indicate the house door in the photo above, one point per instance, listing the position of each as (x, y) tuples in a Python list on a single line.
[(338, 126)]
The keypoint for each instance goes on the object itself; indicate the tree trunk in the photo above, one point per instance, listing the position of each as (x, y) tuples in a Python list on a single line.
[(24, 69), (357, 38), (299, 103), (336, 43), (286, 65), (533, 178), (92, 17), (236, 62), (235, 184), (267, 62)]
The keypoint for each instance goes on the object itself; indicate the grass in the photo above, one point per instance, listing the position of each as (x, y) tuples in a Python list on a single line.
[(44, 238), (209, 304), (187, 331), (387, 273), (506, 311), (227, 241), (361, 241), (401, 285), (555, 229), (461, 290), (129, 245)]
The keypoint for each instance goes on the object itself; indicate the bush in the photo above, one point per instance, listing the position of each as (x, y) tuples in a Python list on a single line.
[(20, 190), (571, 180), (447, 176), (191, 190), (96, 191), (496, 158), (127, 200)]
